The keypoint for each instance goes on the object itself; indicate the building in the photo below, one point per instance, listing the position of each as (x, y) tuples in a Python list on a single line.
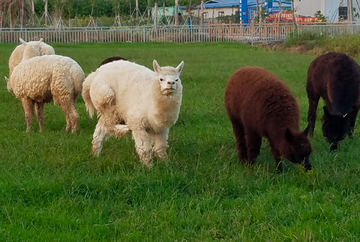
[(219, 9), (333, 10)]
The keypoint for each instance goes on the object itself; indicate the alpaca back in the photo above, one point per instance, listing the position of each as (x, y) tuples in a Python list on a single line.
[(261, 101), (34, 77)]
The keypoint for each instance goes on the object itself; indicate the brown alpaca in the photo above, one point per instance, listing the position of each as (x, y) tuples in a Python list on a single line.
[(111, 59), (258, 105), (336, 78)]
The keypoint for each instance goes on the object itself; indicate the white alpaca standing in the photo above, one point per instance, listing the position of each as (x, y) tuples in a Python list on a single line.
[(43, 78), (147, 102), (35, 48)]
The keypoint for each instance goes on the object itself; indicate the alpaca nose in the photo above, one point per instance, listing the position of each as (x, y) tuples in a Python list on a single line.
[(171, 83)]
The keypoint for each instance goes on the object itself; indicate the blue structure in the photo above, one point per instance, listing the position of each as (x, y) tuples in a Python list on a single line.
[(270, 6)]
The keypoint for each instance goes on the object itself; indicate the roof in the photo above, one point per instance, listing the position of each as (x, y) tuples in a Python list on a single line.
[(236, 3)]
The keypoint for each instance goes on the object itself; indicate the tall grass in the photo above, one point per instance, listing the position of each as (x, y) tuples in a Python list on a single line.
[(318, 43), (53, 189)]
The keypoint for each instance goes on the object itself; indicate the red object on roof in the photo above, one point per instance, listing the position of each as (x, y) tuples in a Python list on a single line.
[(289, 16)]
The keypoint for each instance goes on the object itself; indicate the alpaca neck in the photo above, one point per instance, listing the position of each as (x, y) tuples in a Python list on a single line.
[(165, 107)]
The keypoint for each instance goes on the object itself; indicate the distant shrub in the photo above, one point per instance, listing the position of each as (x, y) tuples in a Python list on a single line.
[(308, 38)]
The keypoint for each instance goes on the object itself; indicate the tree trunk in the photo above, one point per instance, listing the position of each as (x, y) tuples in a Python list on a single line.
[(22, 14), (2, 11), (148, 12), (137, 11), (176, 12), (10, 15), (46, 12)]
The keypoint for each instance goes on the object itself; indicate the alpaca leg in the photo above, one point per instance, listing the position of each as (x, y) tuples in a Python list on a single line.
[(28, 106), (253, 142), (100, 135), (72, 117), (311, 116), (161, 143), (240, 141), (39, 108), (352, 120), (120, 130), (143, 146), (277, 157)]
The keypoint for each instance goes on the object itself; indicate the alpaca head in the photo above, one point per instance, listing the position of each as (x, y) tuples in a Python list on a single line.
[(168, 77), (31, 50), (297, 148), (335, 127)]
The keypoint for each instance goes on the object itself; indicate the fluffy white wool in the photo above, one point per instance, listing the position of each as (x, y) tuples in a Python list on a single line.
[(43, 78), (147, 101), (32, 49)]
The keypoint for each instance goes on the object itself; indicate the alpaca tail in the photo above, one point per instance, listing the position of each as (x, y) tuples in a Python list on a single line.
[(86, 96)]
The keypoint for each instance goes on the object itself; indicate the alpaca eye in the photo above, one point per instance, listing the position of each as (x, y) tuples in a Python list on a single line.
[(161, 79), (177, 80)]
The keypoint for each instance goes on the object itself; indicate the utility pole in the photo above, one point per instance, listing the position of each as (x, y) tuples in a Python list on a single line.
[(260, 12), (279, 10), (349, 11)]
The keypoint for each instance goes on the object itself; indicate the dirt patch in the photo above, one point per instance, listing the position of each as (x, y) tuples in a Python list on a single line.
[(299, 49), (278, 46)]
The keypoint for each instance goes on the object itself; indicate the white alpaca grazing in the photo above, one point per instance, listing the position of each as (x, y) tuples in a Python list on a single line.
[(147, 102), (33, 48), (45, 78)]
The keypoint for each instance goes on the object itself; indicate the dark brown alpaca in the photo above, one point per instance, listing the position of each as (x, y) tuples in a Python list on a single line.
[(111, 59), (259, 105), (336, 78)]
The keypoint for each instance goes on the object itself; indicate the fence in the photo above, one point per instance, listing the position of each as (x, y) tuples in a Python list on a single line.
[(186, 33), (332, 29), (250, 33)]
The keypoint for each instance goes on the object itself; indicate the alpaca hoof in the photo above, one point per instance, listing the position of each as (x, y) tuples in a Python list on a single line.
[(146, 159), (148, 164), (333, 146), (162, 155), (95, 151)]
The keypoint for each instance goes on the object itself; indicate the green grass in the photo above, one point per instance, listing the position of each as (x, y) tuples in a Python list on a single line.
[(53, 189)]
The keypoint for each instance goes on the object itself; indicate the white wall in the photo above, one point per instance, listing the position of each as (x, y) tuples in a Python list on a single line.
[(332, 10), (309, 7)]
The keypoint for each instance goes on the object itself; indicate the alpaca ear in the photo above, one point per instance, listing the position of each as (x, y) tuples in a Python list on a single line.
[(41, 40), (23, 41), (156, 66), (180, 67), (289, 136)]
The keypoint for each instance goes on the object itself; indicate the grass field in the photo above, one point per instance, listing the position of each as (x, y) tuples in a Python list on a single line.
[(53, 189)]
